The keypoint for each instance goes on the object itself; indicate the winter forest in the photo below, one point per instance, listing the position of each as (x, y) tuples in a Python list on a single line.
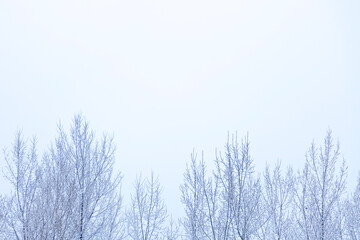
[(71, 192)]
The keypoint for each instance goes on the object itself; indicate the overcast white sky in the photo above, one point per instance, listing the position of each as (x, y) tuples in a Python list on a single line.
[(169, 76)]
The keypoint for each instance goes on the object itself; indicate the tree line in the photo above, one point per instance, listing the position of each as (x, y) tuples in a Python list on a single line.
[(71, 192)]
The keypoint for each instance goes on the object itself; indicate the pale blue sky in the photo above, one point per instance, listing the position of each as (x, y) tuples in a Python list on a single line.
[(169, 76)]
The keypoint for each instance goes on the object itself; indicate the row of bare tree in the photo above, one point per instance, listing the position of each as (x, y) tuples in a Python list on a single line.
[(72, 193), (233, 203)]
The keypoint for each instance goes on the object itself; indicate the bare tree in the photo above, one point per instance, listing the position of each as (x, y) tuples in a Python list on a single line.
[(241, 192), (147, 213), (193, 199), (303, 216), (226, 205), (320, 188), (22, 174), (71, 194), (352, 219), (92, 162), (201, 195), (57, 193), (278, 196)]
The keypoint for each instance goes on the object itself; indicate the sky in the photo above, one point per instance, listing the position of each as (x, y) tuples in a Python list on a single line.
[(170, 77)]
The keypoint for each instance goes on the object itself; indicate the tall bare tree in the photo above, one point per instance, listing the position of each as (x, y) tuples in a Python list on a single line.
[(92, 162), (72, 194), (57, 195), (241, 191), (23, 176), (320, 188), (194, 200), (226, 205)]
